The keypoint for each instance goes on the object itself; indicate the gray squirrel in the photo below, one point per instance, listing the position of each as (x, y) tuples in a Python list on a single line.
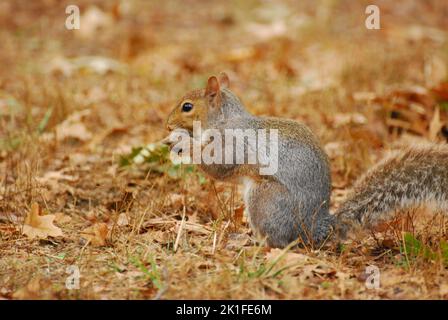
[(293, 203)]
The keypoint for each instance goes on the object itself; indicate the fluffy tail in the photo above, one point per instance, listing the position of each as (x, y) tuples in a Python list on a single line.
[(405, 179)]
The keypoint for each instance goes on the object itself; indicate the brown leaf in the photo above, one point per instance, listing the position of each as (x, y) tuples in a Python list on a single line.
[(73, 128), (238, 215), (51, 176), (176, 200), (267, 31), (32, 290), (236, 241), (38, 226), (441, 91), (343, 119), (94, 19), (122, 220), (240, 54), (62, 218), (96, 234), (282, 258)]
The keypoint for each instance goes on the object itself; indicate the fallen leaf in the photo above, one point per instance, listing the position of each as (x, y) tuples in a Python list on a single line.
[(96, 234), (417, 33), (90, 215), (240, 54), (99, 65), (364, 96), (51, 176), (73, 130), (32, 290), (286, 258), (324, 271), (62, 218), (38, 226), (238, 215), (176, 200), (93, 20), (72, 127), (441, 91), (343, 119), (267, 31), (236, 241), (122, 220), (197, 228), (160, 236), (92, 64), (335, 149)]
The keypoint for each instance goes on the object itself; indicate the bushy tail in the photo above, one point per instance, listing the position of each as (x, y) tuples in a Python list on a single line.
[(405, 179)]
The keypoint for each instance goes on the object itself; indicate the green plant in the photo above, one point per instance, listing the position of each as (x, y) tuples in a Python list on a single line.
[(157, 158), (413, 248), (152, 274)]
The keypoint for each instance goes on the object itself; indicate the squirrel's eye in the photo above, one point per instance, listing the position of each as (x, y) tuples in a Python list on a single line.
[(187, 106)]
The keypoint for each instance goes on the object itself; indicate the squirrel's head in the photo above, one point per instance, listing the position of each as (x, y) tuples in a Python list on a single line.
[(199, 105)]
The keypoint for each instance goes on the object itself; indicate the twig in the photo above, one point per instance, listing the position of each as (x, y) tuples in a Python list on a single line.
[(214, 242), (179, 232)]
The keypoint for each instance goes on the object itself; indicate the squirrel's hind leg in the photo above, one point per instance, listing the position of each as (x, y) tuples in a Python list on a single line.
[(271, 213)]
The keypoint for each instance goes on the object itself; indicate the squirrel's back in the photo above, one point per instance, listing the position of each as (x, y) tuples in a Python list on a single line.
[(407, 178)]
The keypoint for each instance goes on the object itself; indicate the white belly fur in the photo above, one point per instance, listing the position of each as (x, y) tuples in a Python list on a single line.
[(247, 186)]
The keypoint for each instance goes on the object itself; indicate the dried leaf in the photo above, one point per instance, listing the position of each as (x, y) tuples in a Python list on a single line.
[(267, 31), (51, 176), (31, 291), (238, 215), (122, 220), (96, 234), (240, 54), (62, 218), (441, 91), (38, 226), (176, 200), (92, 21), (237, 241), (286, 258), (72, 127), (343, 119)]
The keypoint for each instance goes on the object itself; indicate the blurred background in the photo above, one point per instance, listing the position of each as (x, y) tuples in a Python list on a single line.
[(73, 101), (130, 61)]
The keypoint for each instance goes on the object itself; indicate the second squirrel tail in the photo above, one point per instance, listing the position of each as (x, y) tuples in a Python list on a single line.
[(407, 178)]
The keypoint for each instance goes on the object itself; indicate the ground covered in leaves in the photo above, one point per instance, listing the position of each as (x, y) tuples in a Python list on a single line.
[(84, 186)]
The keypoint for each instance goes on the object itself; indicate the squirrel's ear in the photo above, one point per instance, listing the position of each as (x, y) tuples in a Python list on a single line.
[(212, 86), (224, 80)]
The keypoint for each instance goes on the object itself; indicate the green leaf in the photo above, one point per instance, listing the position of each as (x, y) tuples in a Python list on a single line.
[(415, 247), (157, 159), (412, 245), (202, 178), (44, 122), (126, 160), (444, 249)]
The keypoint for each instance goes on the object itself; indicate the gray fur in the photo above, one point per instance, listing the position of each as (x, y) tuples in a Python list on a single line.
[(408, 178), (292, 203)]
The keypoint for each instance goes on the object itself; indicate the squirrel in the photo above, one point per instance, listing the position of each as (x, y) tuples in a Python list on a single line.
[(294, 203)]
